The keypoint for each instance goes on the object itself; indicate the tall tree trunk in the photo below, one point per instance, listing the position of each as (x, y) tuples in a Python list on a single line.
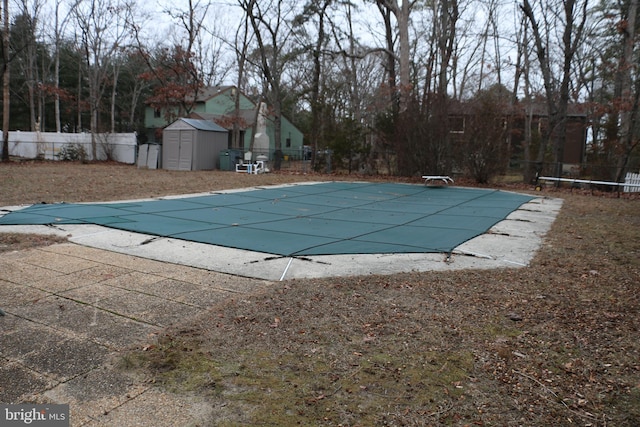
[(390, 67), (114, 92), (277, 131), (630, 107), (56, 72), (523, 52), (403, 34), (254, 124), (58, 30), (93, 99), (401, 12), (30, 74), (568, 51), (483, 53), (5, 81), (79, 99), (242, 58), (449, 16), (557, 98), (271, 64), (545, 68), (235, 130), (316, 105)]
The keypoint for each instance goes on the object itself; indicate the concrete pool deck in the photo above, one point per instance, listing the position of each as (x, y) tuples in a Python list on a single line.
[(509, 243)]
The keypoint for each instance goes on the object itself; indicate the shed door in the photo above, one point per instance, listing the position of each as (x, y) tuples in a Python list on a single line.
[(186, 150), (171, 149)]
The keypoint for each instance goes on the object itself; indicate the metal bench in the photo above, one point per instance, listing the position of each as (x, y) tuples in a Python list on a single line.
[(249, 166)]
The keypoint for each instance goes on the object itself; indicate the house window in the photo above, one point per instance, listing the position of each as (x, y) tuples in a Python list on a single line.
[(288, 143), (156, 113), (239, 144), (456, 124)]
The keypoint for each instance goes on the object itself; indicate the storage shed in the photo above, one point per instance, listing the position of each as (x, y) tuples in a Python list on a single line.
[(190, 144)]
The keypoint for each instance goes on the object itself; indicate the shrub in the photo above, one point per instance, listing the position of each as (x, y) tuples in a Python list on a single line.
[(72, 152)]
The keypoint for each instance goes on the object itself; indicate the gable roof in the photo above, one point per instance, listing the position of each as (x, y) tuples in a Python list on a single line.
[(210, 92), (246, 118)]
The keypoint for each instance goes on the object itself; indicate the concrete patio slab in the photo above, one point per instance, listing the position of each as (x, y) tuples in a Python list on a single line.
[(63, 344)]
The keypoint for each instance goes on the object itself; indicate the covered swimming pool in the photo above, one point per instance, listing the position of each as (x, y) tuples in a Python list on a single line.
[(330, 218)]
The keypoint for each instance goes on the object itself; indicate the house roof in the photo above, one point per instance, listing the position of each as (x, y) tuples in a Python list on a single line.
[(210, 92), (247, 117), (203, 125)]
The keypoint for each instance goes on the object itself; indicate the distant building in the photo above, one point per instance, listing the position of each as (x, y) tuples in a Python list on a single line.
[(576, 129), (217, 104)]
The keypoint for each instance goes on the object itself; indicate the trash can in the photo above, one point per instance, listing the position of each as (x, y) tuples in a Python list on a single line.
[(226, 162)]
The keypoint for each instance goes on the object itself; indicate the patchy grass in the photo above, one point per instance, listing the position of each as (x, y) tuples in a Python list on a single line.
[(341, 369), (53, 182), (555, 343), (19, 241)]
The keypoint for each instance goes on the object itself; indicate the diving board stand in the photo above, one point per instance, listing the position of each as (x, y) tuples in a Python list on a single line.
[(437, 180)]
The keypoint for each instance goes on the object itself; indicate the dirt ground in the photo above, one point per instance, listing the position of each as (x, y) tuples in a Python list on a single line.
[(555, 343)]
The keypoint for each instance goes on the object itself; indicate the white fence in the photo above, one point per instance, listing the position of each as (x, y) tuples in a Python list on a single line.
[(630, 184), (632, 181), (120, 147)]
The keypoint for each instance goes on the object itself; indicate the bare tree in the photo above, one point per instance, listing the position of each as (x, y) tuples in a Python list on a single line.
[(138, 88), (59, 29), (523, 71), (5, 80), (270, 24), (200, 39), (468, 54), (483, 152), (628, 99), (240, 48), (390, 55), (437, 155), (571, 20), (116, 64), (104, 29), (490, 31), (402, 13), (316, 13), (28, 53)]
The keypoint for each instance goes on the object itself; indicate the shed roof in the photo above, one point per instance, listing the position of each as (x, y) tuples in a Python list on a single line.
[(203, 125)]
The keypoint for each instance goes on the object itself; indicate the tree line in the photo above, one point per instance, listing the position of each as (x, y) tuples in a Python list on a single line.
[(381, 83)]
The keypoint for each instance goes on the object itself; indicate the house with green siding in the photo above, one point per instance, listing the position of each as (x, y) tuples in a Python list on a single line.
[(217, 104)]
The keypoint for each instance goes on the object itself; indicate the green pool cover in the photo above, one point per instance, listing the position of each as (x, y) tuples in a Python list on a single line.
[(305, 219)]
